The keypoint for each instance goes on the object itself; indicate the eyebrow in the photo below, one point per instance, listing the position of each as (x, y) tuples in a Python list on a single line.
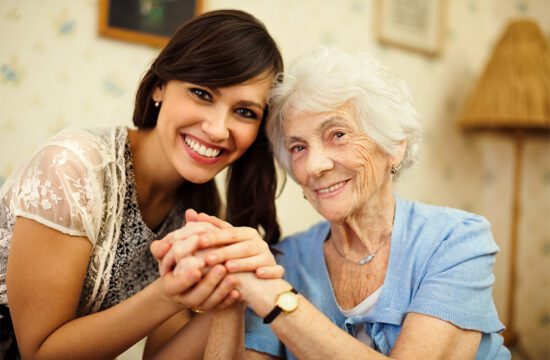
[(251, 103), (217, 92), (331, 120)]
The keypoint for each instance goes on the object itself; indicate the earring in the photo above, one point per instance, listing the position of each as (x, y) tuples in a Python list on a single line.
[(393, 170), (157, 104), (304, 195)]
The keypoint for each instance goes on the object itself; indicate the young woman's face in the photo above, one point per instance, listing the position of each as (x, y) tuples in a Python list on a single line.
[(340, 169), (202, 130)]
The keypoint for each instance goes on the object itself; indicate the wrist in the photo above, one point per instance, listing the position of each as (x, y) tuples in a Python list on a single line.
[(166, 301), (262, 299)]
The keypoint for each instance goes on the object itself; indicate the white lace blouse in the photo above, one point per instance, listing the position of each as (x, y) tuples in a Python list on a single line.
[(82, 183)]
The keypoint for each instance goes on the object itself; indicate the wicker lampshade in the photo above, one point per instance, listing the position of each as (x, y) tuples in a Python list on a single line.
[(514, 91)]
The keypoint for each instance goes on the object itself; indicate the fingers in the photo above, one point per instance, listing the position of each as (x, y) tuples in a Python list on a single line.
[(270, 272), (228, 236), (191, 228), (159, 248), (229, 300), (197, 296), (214, 221), (238, 256), (179, 251), (250, 263), (185, 275), (191, 215), (221, 294), (184, 243)]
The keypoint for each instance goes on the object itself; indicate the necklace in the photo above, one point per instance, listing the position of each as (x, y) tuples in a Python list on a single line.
[(364, 260)]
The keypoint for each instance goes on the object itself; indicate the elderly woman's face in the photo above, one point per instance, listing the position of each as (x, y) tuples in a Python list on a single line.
[(339, 168)]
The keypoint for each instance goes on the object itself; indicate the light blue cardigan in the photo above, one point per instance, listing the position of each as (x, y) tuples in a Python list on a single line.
[(440, 264)]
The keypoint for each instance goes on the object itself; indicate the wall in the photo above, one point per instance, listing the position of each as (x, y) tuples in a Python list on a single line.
[(55, 71)]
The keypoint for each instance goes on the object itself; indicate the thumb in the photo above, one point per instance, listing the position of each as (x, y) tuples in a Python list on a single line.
[(191, 215), (159, 248)]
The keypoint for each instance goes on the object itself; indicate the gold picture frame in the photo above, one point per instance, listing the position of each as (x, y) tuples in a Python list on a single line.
[(414, 25), (149, 22)]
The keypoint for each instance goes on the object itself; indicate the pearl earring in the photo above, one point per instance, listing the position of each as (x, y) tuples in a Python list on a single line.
[(157, 104)]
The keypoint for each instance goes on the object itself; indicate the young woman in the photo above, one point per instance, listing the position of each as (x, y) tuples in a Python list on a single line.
[(77, 220)]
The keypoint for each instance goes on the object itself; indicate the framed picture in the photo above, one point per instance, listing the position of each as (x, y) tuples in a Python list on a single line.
[(150, 22), (415, 25)]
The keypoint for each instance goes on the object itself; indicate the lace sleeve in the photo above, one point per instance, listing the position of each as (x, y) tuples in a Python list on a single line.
[(60, 189)]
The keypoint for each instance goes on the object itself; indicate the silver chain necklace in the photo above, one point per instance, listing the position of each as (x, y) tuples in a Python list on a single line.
[(364, 260)]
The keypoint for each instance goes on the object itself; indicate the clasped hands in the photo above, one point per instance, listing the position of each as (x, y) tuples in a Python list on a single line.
[(197, 261)]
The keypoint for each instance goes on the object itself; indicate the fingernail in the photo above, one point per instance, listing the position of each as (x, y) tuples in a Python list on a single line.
[(211, 258), (195, 276), (220, 271), (261, 272)]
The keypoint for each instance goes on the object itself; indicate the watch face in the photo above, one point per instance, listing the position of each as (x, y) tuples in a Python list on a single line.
[(287, 301)]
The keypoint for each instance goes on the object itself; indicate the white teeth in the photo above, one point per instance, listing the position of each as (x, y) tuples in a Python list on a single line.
[(332, 188), (201, 149)]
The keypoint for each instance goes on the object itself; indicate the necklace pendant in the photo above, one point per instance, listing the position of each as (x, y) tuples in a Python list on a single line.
[(367, 259)]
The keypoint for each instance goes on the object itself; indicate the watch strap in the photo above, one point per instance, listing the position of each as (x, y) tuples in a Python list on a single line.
[(276, 310)]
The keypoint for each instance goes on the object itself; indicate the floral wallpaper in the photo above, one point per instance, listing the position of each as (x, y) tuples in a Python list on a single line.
[(56, 71)]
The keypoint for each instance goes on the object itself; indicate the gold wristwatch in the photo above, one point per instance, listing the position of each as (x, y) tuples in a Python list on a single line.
[(287, 302)]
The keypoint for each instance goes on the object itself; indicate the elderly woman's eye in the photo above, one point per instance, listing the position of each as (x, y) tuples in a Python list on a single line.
[(296, 148), (339, 134)]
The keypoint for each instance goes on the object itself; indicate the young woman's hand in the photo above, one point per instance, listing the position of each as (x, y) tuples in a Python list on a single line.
[(252, 255), (239, 248), (164, 251), (188, 285)]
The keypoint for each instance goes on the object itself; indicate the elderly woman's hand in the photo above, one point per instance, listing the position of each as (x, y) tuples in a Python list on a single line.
[(178, 244), (194, 267), (241, 249)]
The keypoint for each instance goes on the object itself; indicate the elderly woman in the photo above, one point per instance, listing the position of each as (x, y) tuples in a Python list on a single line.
[(382, 276)]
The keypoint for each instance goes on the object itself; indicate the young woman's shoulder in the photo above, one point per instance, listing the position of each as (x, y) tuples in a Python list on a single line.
[(93, 147), (65, 183)]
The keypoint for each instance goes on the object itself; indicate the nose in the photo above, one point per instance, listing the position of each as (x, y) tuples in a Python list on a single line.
[(318, 161), (215, 126)]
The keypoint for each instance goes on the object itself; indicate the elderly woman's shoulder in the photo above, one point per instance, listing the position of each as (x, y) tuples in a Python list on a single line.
[(442, 220), (424, 228), (421, 211)]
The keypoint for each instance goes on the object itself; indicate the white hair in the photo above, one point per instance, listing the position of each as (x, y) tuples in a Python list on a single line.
[(325, 79)]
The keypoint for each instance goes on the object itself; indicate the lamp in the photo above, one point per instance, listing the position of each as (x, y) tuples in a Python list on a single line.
[(513, 97)]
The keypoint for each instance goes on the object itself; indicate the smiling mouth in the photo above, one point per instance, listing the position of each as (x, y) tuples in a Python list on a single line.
[(332, 188), (201, 149)]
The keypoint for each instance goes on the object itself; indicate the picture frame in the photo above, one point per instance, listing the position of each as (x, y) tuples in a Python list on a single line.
[(413, 25), (149, 22)]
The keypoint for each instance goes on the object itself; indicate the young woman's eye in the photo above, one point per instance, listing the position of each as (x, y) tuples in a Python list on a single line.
[(247, 113), (202, 94)]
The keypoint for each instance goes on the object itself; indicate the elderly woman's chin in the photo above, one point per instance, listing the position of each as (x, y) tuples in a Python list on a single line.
[(336, 209)]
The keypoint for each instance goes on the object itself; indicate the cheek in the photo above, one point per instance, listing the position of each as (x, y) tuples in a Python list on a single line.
[(298, 171), (369, 168), (245, 137)]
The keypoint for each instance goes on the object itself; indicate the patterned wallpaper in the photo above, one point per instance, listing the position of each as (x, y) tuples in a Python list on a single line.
[(56, 71)]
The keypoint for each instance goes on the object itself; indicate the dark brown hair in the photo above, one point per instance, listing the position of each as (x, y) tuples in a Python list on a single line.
[(217, 49)]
